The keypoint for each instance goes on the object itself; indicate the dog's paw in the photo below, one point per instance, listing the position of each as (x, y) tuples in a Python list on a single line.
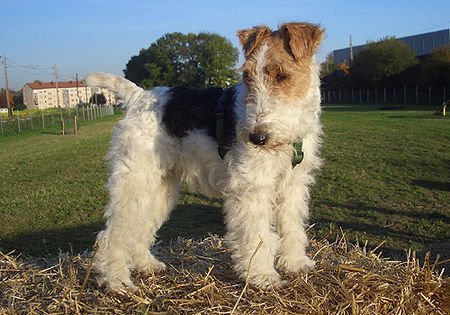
[(156, 265), (121, 287), (295, 264), (267, 281), (150, 265)]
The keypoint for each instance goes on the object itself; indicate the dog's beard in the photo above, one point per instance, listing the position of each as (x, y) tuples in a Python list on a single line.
[(277, 137)]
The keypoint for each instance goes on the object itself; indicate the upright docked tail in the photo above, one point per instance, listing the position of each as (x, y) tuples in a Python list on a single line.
[(121, 87)]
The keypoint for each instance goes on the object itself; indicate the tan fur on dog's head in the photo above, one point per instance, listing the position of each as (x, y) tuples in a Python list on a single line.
[(288, 58), (279, 72), (301, 39)]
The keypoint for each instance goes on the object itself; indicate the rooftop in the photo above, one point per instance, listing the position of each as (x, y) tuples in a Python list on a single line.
[(52, 85)]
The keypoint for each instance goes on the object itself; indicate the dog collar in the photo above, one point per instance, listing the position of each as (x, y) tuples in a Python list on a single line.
[(298, 156)]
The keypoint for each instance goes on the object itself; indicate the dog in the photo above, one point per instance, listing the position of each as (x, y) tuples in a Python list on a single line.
[(235, 143)]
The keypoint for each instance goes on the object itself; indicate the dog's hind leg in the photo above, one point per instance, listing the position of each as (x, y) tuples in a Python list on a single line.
[(163, 201), (142, 193)]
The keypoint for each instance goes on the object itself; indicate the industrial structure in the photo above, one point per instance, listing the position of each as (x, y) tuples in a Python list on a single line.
[(422, 44)]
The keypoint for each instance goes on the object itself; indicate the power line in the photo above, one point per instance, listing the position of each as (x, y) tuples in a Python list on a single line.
[(17, 65), (433, 27), (36, 69), (29, 72)]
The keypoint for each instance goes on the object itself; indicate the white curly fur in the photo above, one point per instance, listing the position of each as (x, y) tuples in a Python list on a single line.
[(264, 197)]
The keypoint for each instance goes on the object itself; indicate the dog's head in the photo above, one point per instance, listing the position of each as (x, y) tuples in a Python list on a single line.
[(281, 81)]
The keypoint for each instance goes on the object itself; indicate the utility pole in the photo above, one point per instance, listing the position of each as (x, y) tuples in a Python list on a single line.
[(78, 95), (57, 100), (351, 49), (56, 82), (6, 88)]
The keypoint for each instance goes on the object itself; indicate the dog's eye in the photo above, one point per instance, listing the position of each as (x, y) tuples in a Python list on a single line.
[(281, 77)]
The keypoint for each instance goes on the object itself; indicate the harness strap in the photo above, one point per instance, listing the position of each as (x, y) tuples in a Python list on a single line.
[(223, 148), (219, 114), (298, 157)]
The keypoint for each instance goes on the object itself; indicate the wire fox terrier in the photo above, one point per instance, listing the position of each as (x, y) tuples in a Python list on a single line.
[(172, 135)]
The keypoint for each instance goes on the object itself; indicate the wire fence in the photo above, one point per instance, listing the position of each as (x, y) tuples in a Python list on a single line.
[(424, 95), (67, 120)]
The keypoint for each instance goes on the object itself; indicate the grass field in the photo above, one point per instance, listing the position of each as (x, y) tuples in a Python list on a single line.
[(386, 177)]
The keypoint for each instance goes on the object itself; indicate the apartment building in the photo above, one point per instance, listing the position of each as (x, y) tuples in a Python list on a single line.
[(40, 95)]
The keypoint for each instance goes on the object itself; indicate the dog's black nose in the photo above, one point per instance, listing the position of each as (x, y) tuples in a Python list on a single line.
[(257, 138)]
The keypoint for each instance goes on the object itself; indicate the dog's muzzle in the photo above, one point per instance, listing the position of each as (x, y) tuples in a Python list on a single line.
[(257, 138)]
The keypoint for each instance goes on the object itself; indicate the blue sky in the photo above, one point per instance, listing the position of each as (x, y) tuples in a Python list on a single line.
[(86, 36)]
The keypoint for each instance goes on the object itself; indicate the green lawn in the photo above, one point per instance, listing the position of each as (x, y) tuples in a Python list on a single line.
[(385, 177)]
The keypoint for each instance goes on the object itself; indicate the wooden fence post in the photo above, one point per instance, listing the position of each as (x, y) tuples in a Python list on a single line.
[(429, 95), (417, 94), (404, 93), (18, 120)]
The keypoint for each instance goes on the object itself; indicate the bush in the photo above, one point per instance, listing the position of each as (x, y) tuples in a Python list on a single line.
[(381, 60), (436, 67), (20, 107)]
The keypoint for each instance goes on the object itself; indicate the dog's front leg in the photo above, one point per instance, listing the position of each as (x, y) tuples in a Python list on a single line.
[(248, 206), (292, 210)]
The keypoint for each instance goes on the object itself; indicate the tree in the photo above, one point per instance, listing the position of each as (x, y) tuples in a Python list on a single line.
[(20, 107), (381, 60), (176, 59), (17, 98), (98, 99), (436, 67), (328, 67)]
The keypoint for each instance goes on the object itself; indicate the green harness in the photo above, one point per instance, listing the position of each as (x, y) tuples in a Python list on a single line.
[(298, 157), (223, 149)]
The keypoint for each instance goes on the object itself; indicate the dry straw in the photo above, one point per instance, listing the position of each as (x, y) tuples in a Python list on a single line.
[(200, 280)]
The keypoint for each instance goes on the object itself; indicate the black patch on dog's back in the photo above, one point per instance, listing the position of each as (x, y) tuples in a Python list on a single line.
[(189, 109)]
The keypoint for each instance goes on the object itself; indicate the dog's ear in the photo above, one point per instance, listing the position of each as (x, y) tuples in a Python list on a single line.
[(252, 38), (301, 39)]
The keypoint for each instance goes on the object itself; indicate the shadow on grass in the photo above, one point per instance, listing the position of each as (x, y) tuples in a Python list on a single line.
[(75, 239), (188, 221), (50, 132), (357, 224), (444, 186), (374, 107), (430, 116), (361, 209), (192, 221)]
